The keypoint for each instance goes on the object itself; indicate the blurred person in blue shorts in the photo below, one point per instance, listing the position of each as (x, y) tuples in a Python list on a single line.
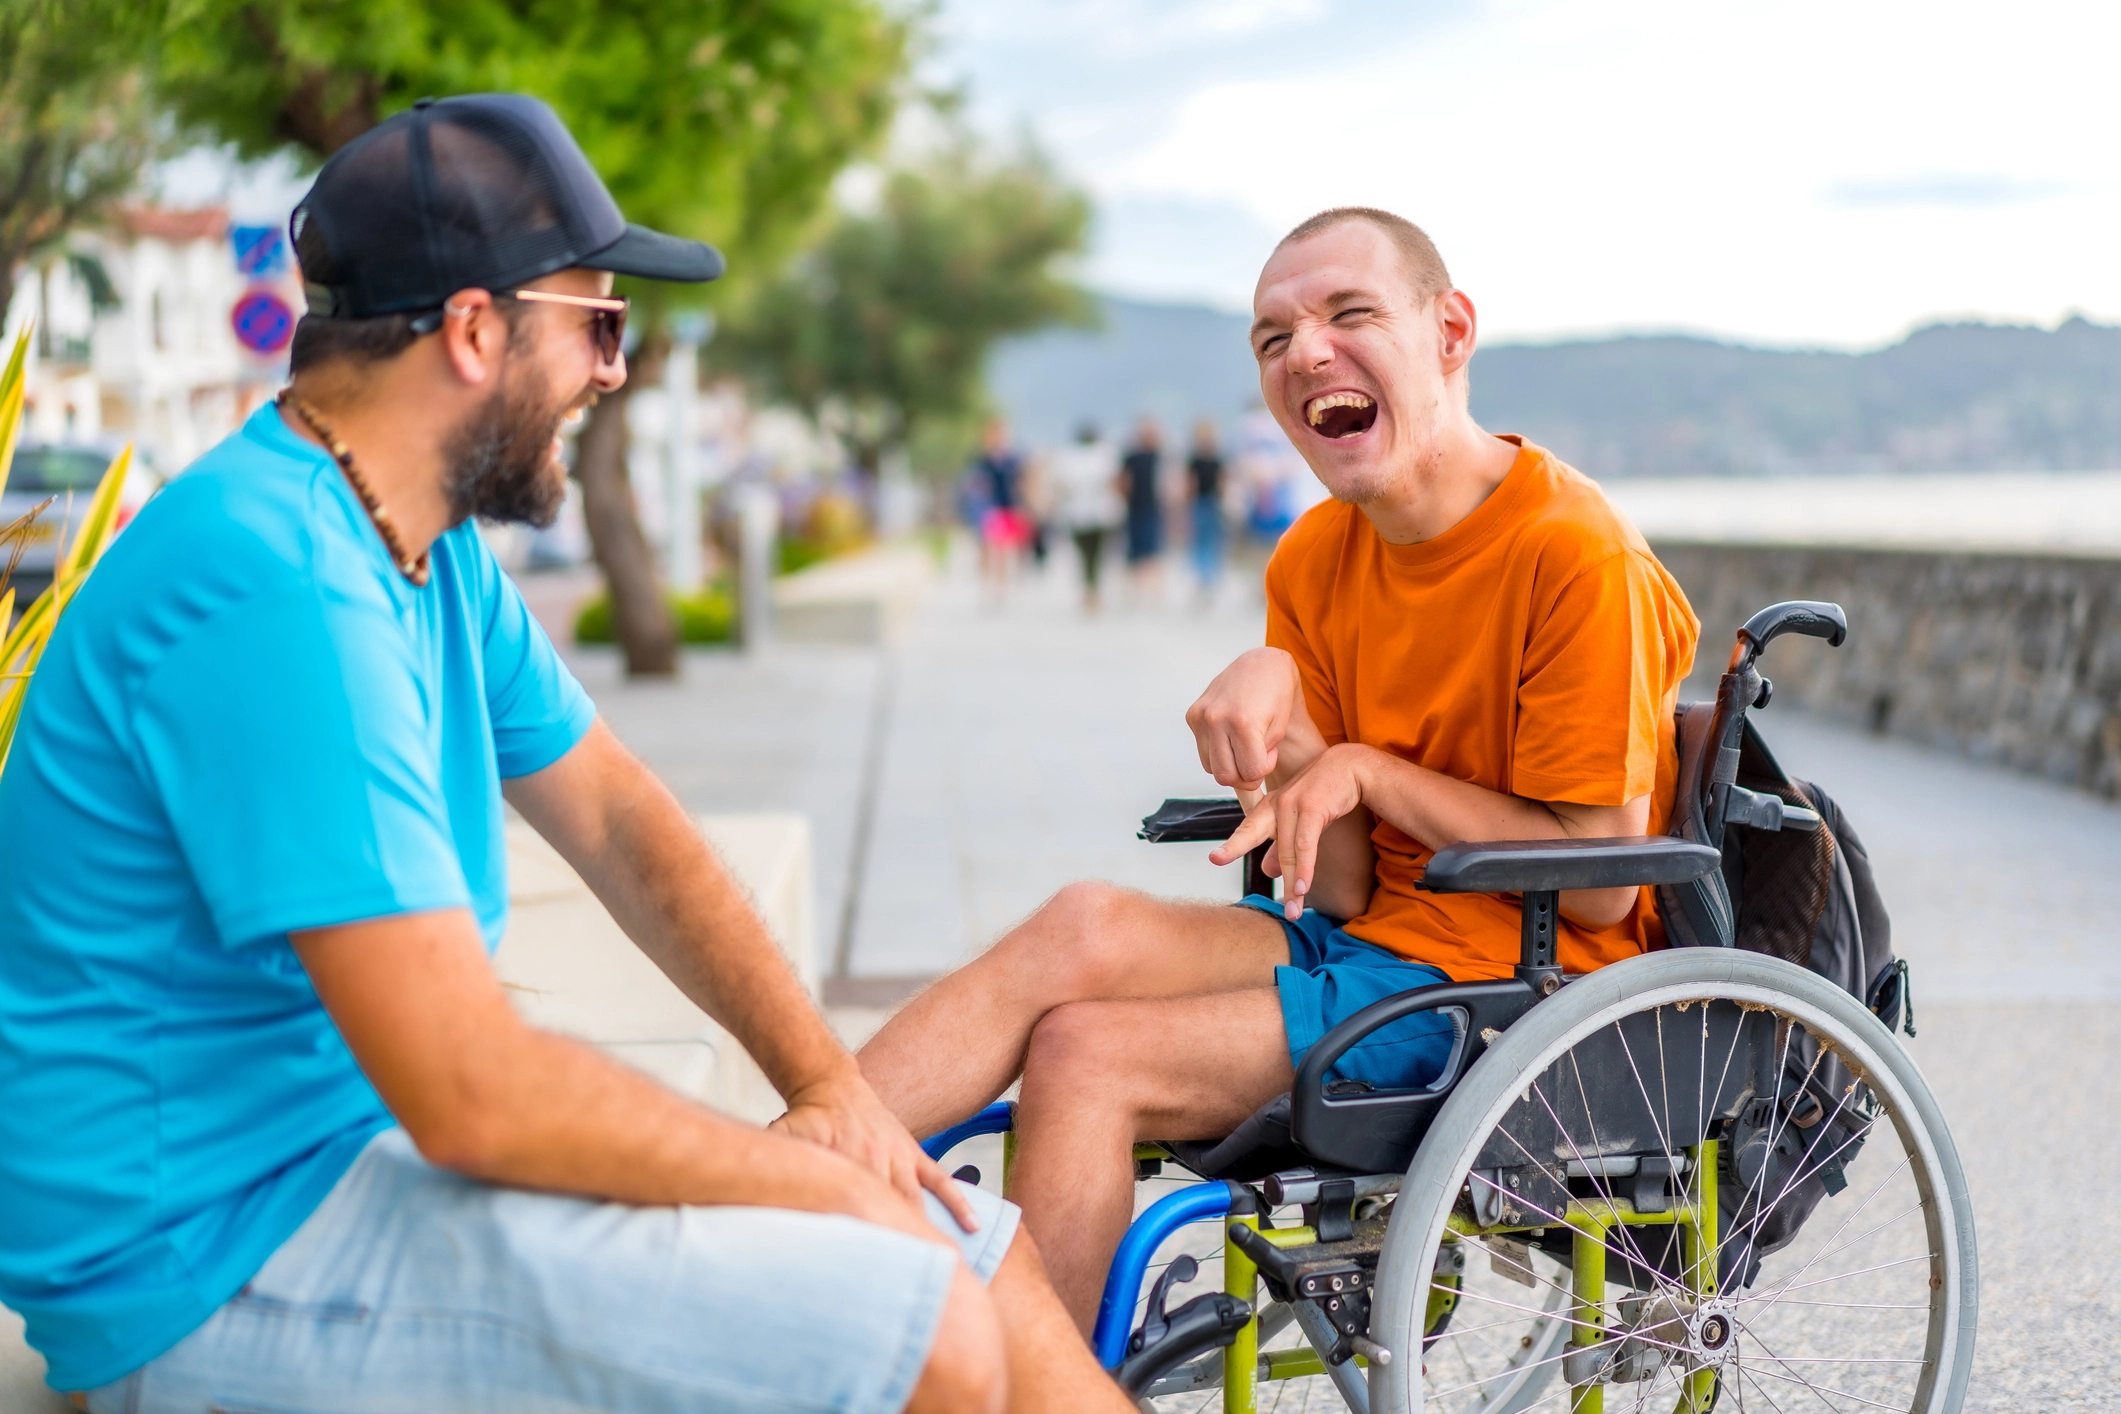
[(271, 1134), (1141, 483), (1204, 477)]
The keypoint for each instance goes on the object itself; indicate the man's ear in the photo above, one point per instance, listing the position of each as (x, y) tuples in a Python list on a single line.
[(1457, 328), (474, 336)]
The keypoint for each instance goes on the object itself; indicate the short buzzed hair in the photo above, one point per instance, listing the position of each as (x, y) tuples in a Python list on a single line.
[(1424, 267)]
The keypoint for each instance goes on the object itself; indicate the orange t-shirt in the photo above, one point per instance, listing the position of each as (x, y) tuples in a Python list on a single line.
[(1535, 648)]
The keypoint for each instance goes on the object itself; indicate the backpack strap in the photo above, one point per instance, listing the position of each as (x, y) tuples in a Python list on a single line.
[(1696, 914)]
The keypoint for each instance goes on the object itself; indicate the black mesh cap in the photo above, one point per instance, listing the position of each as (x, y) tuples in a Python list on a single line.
[(488, 190)]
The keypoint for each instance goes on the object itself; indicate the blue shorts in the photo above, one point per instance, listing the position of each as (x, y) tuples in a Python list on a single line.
[(1330, 977), (411, 1289)]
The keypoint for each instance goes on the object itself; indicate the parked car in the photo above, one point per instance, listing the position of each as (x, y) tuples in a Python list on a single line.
[(65, 473)]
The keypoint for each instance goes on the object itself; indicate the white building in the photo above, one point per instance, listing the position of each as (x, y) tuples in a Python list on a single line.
[(134, 340)]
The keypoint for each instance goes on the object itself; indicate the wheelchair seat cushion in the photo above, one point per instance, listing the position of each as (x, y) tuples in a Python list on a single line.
[(1330, 977), (1256, 1148)]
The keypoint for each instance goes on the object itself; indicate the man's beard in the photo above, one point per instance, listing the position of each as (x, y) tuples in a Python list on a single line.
[(500, 461)]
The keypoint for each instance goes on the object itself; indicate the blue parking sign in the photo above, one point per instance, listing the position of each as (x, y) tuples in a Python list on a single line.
[(260, 250)]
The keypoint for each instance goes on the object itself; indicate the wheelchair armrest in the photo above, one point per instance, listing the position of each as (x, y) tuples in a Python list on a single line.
[(1176, 821), (1378, 1133), (1542, 866)]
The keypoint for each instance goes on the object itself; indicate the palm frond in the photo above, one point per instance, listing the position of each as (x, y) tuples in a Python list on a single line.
[(102, 518), (13, 384), (23, 645)]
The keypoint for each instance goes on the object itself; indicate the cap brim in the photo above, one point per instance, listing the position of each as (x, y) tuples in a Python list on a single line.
[(655, 256)]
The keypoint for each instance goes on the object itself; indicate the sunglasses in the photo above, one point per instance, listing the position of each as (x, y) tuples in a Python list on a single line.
[(607, 317)]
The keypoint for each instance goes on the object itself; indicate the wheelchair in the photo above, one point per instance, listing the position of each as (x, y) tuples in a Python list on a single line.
[(1706, 1177)]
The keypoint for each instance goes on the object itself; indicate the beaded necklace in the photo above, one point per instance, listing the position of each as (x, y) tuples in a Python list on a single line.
[(414, 570)]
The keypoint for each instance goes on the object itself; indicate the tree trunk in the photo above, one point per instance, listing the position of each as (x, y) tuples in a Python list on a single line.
[(640, 613), (868, 457)]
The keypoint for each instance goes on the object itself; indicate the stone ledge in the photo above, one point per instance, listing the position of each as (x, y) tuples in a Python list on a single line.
[(865, 598), (2012, 659), (571, 969)]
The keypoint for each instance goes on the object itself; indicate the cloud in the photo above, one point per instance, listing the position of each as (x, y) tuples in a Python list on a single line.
[(1811, 172), (1175, 248), (1944, 189)]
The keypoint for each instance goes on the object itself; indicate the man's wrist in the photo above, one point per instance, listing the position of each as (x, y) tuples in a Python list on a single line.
[(823, 1085)]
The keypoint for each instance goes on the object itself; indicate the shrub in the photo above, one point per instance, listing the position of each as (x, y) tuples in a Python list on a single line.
[(706, 616)]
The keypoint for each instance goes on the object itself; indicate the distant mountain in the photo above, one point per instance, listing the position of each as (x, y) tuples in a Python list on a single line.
[(1976, 397), (1948, 397), (1174, 362)]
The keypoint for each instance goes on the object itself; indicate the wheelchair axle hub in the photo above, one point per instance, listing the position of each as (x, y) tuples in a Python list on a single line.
[(1713, 1333)]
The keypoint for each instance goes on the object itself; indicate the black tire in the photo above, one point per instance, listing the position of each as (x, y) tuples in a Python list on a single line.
[(1937, 1284)]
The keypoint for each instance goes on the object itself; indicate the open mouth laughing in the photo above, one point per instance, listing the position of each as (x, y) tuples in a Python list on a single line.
[(1337, 415)]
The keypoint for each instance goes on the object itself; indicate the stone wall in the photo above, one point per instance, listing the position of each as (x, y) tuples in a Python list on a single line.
[(2014, 659)]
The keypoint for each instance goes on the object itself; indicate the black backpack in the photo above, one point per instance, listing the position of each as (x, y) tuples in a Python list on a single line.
[(1807, 897)]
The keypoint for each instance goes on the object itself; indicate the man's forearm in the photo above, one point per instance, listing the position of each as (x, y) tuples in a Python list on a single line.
[(1440, 810), (647, 862), (483, 1093), (672, 894), (557, 1115)]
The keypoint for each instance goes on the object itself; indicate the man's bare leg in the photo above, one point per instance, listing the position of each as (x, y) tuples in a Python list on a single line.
[(1102, 1075), (1010, 1346), (968, 1367), (959, 1044), (1050, 1369)]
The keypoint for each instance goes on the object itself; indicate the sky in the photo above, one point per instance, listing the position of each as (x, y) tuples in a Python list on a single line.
[(1802, 174)]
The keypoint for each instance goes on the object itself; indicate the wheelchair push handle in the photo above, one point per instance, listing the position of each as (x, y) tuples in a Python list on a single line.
[(1811, 617)]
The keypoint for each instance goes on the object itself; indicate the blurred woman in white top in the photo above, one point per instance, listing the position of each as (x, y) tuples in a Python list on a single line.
[(1086, 497)]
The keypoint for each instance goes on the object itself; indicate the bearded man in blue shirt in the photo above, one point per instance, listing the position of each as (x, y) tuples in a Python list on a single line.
[(270, 1134)]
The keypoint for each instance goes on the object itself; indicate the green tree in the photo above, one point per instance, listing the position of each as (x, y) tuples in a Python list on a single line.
[(76, 126), (724, 120), (884, 329)]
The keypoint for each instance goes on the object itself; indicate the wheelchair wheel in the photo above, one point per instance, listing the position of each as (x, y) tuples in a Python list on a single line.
[(1697, 1179)]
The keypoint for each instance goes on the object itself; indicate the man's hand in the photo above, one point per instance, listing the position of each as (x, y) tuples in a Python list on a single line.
[(1252, 723), (1296, 816), (844, 1114)]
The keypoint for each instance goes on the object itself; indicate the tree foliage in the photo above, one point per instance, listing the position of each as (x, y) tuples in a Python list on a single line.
[(886, 326), (76, 124), (725, 120)]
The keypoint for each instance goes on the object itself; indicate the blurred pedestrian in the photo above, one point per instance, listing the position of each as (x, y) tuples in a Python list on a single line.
[(1087, 502), (1140, 476), (1204, 475), (1004, 528), (1035, 491)]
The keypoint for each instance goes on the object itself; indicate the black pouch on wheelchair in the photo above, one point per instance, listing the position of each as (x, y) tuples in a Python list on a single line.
[(1807, 897)]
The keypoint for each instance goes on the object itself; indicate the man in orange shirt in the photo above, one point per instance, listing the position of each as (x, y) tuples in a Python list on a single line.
[(1467, 642)]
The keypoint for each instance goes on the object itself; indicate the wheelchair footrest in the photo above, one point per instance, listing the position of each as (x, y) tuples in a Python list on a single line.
[(1309, 1273), (1202, 1324)]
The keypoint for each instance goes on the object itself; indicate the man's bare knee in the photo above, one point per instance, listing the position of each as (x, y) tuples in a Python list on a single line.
[(1072, 1044), (968, 1368), (1078, 938)]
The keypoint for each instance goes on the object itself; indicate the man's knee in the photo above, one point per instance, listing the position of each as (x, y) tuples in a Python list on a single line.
[(1078, 1049), (1083, 940), (968, 1369)]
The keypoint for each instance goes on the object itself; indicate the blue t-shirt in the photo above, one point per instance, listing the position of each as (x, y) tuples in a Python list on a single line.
[(248, 722)]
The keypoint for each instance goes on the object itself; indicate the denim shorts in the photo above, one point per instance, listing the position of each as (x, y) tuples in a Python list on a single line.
[(412, 1290), (1330, 977)]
